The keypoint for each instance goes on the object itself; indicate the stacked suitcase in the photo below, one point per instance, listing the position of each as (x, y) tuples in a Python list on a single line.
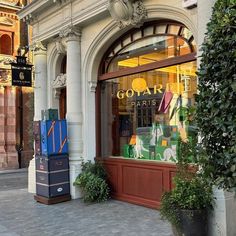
[(51, 156)]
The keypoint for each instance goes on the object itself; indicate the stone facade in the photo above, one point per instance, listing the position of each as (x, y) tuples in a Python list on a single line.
[(83, 31), (13, 34)]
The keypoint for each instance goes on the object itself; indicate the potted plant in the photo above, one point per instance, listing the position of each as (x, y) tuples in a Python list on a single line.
[(92, 181), (186, 205)]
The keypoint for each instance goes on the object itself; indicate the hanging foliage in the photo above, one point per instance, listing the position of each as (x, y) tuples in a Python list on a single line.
[(216, 102)]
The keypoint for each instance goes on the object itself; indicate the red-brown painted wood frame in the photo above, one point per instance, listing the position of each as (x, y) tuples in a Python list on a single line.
[(151, 66), (137, 181)]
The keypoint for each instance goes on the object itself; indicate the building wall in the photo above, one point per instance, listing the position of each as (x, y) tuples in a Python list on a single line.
[(10, 107), (98, 31)]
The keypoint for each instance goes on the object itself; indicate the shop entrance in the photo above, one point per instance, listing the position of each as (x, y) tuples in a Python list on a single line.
[(148, 86)]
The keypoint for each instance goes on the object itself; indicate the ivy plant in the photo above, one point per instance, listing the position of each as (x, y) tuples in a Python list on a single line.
[(216, 102)]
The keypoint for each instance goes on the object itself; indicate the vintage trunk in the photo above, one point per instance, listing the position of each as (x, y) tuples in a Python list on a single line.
[(52, 176), (54, 137)]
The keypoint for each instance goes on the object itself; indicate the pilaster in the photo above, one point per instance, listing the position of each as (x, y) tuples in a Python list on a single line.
[(10, 132), (74, 116), (3, 158), (40, 90), (40, 99)]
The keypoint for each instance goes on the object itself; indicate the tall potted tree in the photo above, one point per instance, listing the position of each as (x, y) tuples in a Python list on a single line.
[(216, 101)]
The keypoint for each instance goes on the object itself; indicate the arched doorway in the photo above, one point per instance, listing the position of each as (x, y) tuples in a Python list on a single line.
[(146, 85), (62, 98)]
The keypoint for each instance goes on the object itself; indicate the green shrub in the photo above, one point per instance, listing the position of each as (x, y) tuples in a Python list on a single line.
[(92, 181), (191, 190), (216, 113)]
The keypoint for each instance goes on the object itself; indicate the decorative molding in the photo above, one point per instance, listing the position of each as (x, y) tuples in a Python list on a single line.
[(38, 46), (6, 21), (61, 2), (60, 46), (59, 81), (57, 93), (92, 86), (127, 12), (11, 2), (70, 32), (29, 19), (5, 77), (6, 60)]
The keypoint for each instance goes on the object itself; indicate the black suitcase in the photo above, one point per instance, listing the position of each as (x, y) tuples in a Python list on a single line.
[(52, 163), (54, 190), (52, 176)]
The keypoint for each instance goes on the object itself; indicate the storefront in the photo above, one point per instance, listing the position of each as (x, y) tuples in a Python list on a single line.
[(127, 85), (146, 92)]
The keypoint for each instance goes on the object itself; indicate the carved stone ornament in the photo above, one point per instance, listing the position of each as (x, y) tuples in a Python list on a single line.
[(70, 31), (127, 12), (59, 81), (60, 47), (92, 86), (29, 19), (38, 46), (11, 2), (6, 21), (5, 77), (60, 2)]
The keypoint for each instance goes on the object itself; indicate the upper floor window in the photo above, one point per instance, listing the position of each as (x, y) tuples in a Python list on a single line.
[(5, 44)]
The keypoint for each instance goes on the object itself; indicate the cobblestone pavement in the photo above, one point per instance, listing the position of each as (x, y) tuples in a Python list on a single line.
[(20, 215)]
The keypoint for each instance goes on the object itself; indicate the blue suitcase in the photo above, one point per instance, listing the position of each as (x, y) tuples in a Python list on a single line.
[(54, 137)]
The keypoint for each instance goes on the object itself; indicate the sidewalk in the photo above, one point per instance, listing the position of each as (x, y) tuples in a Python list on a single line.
[(23, 170), (21, 215)]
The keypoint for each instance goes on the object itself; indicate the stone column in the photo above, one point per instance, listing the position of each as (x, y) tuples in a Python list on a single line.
[(10, 132), (40, 86), (40, 99), (3, 157), (74, 114)]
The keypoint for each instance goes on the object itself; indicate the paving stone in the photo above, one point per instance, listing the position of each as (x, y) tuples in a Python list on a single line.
[(20, 215)]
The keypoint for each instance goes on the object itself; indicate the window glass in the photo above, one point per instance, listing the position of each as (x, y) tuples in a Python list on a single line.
[(148, 50), (143, 115)]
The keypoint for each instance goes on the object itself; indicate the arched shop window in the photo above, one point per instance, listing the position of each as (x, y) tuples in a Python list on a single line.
[(147, 87)]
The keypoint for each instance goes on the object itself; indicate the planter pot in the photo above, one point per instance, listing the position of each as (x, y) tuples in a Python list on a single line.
[(222, 220), (192, 223)]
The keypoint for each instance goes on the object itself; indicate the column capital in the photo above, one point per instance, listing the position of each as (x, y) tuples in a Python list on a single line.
[(38, 47), (71, 33)]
